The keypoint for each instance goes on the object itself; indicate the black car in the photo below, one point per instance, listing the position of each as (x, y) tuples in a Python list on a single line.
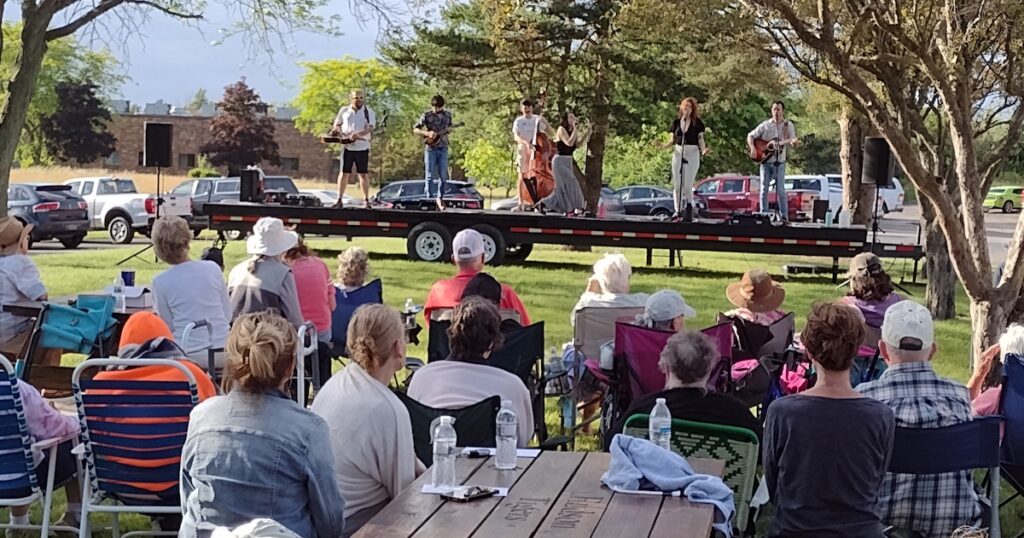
[(412, 194), (652, 201), (647, 200), (54, 210)]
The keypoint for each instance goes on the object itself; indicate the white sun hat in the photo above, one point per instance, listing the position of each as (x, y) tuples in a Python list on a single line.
[(270, 238)]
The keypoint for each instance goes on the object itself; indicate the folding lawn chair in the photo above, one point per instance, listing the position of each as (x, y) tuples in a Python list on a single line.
[(474, 424), (82, 328), (19, 486), (216, 358), (133, 433), (1011, 406), (737, 447), (347, 302), (965, 447)]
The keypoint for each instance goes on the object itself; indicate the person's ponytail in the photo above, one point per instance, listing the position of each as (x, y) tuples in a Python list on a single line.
[(261, 352)]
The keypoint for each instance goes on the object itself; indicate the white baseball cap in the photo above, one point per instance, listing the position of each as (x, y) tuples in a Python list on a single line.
[(666, 305), (906, 324), (467, 245)]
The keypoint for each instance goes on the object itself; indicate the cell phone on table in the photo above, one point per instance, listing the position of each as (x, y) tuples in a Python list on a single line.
[(464, 494)]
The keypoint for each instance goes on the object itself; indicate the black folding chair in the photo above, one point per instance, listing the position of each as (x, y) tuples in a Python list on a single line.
[(965, 447), (1011, 407), (522, 354), (474, 425)]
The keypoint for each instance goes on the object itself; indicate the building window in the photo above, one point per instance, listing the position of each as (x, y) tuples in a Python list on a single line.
[(142, 158), (186, 160), (114, 159), (289, 164)]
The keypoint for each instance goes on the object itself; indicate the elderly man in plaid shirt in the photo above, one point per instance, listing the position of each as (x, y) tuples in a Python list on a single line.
[(929, 505)]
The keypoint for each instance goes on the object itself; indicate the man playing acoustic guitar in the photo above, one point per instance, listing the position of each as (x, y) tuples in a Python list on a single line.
[(354, 124), (767, 144), (434, 126)]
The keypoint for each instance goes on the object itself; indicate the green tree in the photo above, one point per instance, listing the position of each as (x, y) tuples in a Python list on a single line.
[(389, 91), (490, 165), (261, 22), (199, 100), (77, 130), (65, 61)]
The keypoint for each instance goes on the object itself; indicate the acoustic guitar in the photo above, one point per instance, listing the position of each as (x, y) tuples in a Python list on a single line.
[(433, 141), (765, 150), (332, 138)]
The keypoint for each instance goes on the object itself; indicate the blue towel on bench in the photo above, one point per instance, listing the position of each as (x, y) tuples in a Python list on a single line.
[(638, 464)]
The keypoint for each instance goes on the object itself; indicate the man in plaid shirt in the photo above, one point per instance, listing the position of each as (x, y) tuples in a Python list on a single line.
[(931, 505)]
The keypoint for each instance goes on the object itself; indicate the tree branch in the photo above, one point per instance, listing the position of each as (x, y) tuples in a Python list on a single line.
[(106, 5)]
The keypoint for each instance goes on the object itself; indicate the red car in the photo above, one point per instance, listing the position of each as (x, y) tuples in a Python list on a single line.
[(727, 194)]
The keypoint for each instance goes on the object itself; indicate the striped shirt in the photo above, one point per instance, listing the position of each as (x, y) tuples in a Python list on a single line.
[(932, 505)]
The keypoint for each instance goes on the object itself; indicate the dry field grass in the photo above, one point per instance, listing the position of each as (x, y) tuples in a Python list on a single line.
[(145, 182)]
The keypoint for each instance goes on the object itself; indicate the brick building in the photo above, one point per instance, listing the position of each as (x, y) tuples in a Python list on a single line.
[(302, 155)]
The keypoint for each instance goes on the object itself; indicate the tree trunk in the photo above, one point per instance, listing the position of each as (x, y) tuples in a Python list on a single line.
[(988, 320), (20, 90), (940, 293), (594, 166), (856, 198)]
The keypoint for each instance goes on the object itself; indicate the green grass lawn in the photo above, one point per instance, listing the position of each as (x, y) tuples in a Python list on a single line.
[(549, 285)]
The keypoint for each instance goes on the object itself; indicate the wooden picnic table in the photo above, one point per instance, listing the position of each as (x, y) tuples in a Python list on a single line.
[(556, 494)]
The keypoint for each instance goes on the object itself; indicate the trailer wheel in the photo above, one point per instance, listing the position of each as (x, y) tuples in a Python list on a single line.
[(494, 244), (429, 242), (518, 253)]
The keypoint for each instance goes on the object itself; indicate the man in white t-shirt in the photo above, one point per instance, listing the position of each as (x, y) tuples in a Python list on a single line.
[(355, 122), (781, 134)]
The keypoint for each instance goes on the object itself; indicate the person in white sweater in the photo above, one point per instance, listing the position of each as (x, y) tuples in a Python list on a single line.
[(370, 432), (190, 290), (465, 378)]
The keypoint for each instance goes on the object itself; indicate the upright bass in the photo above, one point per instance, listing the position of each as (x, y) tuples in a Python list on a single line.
[(539, 181)]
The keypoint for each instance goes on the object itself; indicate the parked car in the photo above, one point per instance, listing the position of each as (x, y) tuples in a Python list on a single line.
[(115, 205), (646, 200), (823, 187), (1008, 199), (328, 197), (608, 205), (728, 193), (411, 194), (890, 198), (54, 210), (207, 190)]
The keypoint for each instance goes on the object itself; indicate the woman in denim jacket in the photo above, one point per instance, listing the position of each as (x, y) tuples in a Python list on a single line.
[(255, 453)]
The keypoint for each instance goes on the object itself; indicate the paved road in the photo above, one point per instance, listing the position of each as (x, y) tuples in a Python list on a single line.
[(53, 246), (902, 228)]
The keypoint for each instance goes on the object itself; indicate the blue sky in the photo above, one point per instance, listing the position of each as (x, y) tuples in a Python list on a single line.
[(169, 60)]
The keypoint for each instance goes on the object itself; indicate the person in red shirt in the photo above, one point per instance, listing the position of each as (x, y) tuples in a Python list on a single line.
[(468, 256)]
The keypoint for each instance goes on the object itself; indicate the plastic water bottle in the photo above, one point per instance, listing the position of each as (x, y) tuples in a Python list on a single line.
[(844, 218), (409, 306), (443, 473), (556, 372), (118, 289), (660, 425), (828, 218), (507, 428)]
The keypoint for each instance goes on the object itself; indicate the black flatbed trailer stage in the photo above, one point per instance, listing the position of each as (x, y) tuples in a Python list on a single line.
[(511, 235)]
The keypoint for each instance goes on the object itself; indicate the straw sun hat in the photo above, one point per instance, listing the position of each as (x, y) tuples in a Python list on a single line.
[(756, 292), (12, 233)]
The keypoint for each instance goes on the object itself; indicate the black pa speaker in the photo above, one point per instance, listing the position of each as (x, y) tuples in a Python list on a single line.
[(249, 186), (158, 145), (878, 163)]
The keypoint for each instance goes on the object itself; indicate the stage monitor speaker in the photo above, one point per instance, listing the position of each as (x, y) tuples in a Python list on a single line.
[(158, 145), (249, 186), (878, 166)]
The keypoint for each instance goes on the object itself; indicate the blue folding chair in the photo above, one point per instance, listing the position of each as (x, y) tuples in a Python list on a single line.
[(965, 447), (133, 432), (348, 301), (1011, 406), (80, 328), (19, 487)]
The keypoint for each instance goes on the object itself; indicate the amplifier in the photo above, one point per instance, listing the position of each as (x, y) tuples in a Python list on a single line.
[(751, 219), (301, 200)]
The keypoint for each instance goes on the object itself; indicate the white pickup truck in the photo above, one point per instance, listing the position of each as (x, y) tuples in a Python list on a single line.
[(117, 206)]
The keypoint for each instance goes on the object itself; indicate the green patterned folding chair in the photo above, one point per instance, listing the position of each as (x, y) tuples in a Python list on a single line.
[(737, 447)]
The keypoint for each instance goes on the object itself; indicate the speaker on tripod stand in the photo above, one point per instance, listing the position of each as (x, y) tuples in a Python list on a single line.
[(877, 170), (157, 140)]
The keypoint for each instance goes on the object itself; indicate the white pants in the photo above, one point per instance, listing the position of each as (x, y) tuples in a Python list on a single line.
[(683, 174)]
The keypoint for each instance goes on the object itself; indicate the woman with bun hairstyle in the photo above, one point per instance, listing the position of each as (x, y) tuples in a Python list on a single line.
[(255, 453), (371, 435)]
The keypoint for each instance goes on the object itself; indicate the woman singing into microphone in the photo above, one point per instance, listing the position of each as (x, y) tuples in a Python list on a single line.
[(687, 140)]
